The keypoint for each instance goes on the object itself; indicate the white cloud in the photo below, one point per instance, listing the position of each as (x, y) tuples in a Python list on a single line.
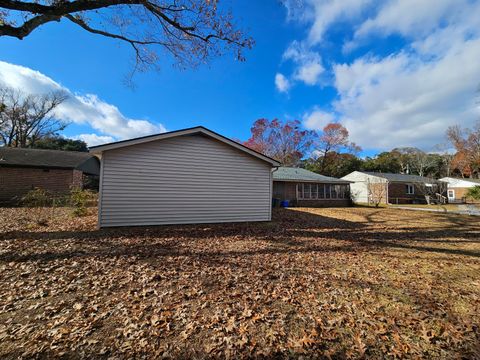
[(94, 139), (317, 119), (401, 101), (308, 63), (309, 73), (282, 83), (411, 95), (81, 109), (324, 13), (411, 18)]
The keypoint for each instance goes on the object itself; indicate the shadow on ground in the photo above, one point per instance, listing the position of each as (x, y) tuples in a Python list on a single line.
[(291, 231)]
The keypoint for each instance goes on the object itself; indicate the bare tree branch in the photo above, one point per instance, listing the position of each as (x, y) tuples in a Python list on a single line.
[(25, 119), (192, 31)]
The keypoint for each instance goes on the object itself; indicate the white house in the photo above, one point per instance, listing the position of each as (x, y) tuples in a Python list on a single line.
[(188, 176), (457, 188), (390, 188)]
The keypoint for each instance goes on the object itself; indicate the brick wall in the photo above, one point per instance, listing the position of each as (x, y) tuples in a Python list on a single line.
[(16, 182), (324, 203), (397, 194), (460, 196)]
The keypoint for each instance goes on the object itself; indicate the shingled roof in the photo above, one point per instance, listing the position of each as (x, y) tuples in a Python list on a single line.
[(49, 159), (400, 177), (298, 174)]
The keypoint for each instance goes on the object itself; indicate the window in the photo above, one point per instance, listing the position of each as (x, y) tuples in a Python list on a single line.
[(340, 190), (306, 191), (333, 191), (410, 189), (321, 191), (451, 194)]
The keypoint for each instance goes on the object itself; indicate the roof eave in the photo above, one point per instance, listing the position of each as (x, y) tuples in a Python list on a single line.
[(316, 181)]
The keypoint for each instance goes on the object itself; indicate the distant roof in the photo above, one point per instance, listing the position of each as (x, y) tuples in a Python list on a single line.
[(54, 159), (190, 131), (476, 181), (298, 174), (399, 177)]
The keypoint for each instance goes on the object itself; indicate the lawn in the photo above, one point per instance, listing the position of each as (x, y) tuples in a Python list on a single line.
[(339, 283)]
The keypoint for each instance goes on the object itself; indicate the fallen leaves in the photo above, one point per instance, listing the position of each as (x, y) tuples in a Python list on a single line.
[(336, 283)]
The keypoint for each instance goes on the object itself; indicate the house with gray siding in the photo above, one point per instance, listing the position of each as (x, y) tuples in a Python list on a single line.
[(182, 177)]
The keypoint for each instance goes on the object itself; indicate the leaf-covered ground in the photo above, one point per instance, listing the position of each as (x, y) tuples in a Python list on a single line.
[(314, 283)]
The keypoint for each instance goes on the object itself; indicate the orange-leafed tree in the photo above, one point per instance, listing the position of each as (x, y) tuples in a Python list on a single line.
[(285, 141), (467, 146), (333, 138)]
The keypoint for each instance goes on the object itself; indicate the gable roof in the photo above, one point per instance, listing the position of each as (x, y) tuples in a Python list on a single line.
[(399, 177), (297, 174), (52, 159), (190, 131)]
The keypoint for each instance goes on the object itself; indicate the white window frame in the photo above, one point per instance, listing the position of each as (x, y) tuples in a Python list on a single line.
[(410, 189), (451, 191)]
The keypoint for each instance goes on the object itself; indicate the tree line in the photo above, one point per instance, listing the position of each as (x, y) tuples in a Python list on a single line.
[(331, 153), (28, 121)]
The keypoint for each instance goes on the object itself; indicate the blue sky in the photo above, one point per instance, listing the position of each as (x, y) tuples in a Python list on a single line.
[(395, 73)]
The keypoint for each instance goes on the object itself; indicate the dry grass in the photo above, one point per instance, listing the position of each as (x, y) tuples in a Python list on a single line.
[(340, 283), (441, 207)]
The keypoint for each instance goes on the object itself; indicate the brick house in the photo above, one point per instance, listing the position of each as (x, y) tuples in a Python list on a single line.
[(22, 170), (367, 187), (457, 188), (308, 189)]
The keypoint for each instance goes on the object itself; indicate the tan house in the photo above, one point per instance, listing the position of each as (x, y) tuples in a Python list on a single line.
[(457, 188), (183, 177), (301, 187), (22, 170), (368, 187)]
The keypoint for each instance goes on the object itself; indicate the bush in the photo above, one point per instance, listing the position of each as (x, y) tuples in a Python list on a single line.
[(474, 193), (80, 200), (39, 200)]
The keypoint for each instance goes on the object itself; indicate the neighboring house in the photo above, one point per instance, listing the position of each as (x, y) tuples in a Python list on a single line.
[(457, 188), (368, 187), (308, 189), (183, 177), (22, 170)]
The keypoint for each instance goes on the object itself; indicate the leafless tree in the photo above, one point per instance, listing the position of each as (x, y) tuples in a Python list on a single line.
[(377, 192), (190, 30), (26, 118), (433, 191), (421, 162), (447, 158)]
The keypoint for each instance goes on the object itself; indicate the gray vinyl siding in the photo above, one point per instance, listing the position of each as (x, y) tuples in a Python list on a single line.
[(182, 180)]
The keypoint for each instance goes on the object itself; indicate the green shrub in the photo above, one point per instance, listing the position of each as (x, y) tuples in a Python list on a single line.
[(80, 200), (39, 200), (474, 193)]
